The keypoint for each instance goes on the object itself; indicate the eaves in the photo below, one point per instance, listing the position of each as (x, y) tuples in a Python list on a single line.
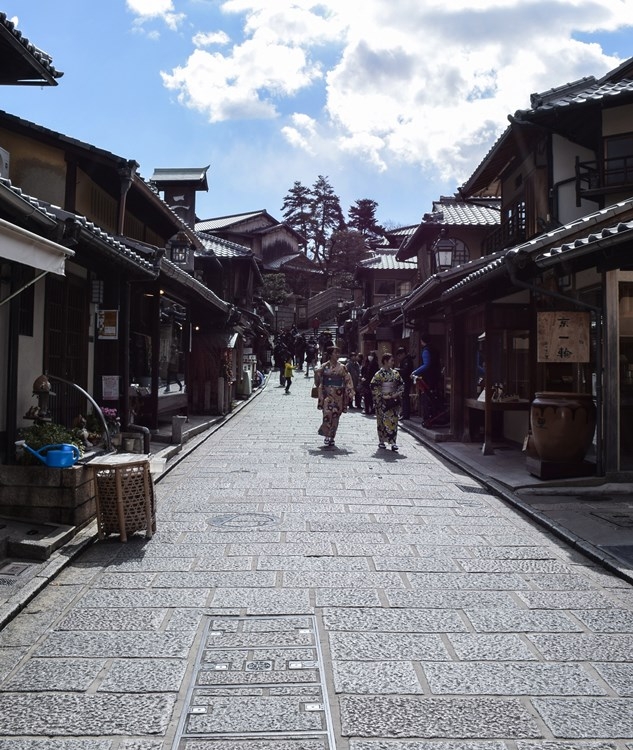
[(192, 285)]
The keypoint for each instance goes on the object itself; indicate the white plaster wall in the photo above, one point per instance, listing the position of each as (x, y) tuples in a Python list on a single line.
[(31, 357), (564, 168), (617, 121)]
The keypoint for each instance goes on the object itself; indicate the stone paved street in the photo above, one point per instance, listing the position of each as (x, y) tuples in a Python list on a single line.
[(300, 597)]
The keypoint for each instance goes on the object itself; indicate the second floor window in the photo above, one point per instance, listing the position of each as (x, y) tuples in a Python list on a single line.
[(618, 160)]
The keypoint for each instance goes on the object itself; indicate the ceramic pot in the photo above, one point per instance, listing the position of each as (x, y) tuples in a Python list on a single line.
[(562, 425)]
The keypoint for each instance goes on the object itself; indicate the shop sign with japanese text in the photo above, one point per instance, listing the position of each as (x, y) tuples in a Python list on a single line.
[(563, 336)]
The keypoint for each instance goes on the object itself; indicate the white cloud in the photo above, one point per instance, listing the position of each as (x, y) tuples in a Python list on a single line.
[(150, 9), (416, 82), (209, 38)]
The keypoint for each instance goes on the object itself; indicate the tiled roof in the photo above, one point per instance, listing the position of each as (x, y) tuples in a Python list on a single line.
[(116, 247), (557, 254), (36, 208), (572, 96), (534, 247), (457, 212), (296, 260), (21, 61), (182, 277), (51, 214), (385, 260), (222, 222), (223, 248)]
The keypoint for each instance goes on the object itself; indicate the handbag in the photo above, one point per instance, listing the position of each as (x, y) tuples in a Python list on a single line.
[(315, 391)]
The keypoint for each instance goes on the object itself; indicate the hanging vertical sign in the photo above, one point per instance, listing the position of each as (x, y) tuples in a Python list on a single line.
[(563, 336), (108, 324)]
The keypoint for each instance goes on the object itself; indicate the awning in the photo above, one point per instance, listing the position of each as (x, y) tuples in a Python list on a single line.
[(21, 246)]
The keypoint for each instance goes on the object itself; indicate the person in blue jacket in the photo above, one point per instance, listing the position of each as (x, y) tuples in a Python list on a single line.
[(429, 373)]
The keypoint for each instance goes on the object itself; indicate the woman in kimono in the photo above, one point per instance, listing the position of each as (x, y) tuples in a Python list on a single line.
[(387, 388), (336, 392)]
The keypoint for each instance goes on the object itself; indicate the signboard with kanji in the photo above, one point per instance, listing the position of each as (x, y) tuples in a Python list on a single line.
[(563, 336)]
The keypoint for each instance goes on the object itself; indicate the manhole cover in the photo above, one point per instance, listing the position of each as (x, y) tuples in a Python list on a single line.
[(243, 520)]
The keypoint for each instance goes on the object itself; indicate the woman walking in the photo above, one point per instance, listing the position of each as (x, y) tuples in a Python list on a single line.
[(335, 393), (367, 372), (387, 388)]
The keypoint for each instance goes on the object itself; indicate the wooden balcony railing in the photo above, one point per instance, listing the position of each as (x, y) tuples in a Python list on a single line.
[(597, 178)]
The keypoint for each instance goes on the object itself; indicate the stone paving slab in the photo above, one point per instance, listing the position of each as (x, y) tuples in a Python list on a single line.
[(436, 717), (75, 714), (510, 679), (585, 718)]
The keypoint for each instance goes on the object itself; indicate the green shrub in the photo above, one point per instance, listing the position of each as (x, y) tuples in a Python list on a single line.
[(47, 433)]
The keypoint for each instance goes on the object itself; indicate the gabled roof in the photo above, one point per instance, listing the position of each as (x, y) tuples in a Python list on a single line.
[(21, 62), (222, 248), (452, 211), (225, 222), (294, 261), (384, 259)]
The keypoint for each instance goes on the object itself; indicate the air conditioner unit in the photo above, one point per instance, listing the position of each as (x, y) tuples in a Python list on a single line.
[(5, 158)]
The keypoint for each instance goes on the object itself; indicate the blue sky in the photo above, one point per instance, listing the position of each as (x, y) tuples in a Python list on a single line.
[(394, 100)]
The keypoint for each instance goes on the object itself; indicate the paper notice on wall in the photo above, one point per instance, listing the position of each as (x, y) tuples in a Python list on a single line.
[(110, 387)]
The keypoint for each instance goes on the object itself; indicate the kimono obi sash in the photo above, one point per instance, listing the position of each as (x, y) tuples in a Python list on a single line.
[(387, 387), (333, 381)]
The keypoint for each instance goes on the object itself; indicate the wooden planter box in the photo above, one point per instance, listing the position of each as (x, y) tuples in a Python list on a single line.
[(61, 496)]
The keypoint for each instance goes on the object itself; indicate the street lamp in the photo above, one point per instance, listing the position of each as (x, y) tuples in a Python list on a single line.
[(181, 251), (443, 251)]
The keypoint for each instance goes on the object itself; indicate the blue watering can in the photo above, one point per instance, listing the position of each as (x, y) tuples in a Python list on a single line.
[(59, 456)]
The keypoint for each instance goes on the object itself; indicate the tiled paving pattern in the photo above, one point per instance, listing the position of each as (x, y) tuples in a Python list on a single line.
[(425, 613)]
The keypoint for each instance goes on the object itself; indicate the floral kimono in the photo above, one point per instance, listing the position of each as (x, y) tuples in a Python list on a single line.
[(387, 388), (336, 392)]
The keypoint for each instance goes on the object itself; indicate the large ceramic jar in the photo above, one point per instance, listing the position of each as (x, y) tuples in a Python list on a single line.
[(562, 425)]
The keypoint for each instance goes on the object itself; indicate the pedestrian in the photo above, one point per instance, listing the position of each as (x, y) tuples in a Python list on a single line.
[(299, 350), (280, 354), (288, 372), (335, 391), (368, 370), (312, 349), (387, 389), (429, 375), (404, 363), (353, 367)]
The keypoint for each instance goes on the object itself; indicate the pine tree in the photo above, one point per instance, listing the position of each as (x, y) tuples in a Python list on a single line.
[(362, 217), (327, 218), (297, 211)]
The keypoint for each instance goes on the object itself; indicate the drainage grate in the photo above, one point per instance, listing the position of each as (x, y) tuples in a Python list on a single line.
[(472, 490), (7, 581), (14, 569), (258, 680)]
